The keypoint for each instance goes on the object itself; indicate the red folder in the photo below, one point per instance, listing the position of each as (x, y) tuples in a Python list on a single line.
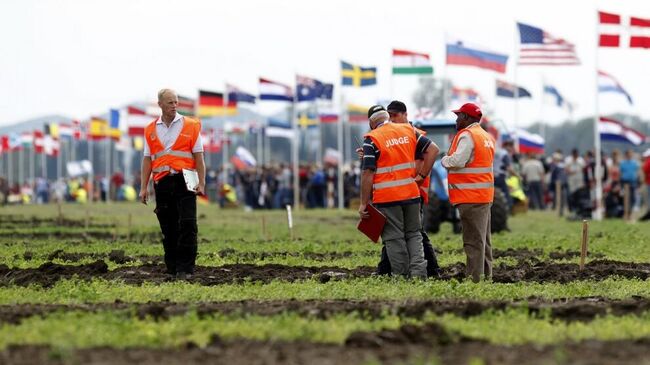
[(372, 226)]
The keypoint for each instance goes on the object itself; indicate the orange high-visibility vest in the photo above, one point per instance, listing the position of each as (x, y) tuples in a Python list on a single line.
[(426, 183), (394, 178), (180, 155), (473, 183)]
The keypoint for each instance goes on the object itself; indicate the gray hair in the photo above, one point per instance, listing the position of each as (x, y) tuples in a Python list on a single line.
[(162, 93), (379, 116)]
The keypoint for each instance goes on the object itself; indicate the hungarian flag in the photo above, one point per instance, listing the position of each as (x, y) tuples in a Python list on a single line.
[(185, 106), (413, 63), (211, 104), (27, 139)]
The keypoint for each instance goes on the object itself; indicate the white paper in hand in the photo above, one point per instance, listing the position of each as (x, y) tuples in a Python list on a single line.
[(191, 179)]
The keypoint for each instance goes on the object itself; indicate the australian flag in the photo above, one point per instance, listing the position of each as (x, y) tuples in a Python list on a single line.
[(309, 89), (507, 90), (239, 96)]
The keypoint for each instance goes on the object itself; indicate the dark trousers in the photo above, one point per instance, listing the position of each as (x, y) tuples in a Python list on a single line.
[(535, 195), (433, 269), (176, 212)]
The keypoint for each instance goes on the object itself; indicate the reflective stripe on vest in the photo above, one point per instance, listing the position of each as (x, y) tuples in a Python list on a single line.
[(172, 153), (402, 166), (473, 183), (393, 180), (179, 156), (161, 169), (469, 186), (391, 184), (471, 170)]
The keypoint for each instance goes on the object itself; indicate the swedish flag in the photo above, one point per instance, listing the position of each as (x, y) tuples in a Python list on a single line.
[(307, 120), (358, 76)]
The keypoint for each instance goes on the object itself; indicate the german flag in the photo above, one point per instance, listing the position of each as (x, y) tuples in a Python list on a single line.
[(211, 104)]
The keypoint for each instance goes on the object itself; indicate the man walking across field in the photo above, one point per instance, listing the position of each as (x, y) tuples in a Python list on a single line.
[(173, 144), (471, 187), (390, 179)]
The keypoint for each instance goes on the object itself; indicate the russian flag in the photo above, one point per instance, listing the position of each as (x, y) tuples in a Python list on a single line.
[(271, 90), (614, 131), (243, 159), (607, 83), (459, 54), (529, 142)]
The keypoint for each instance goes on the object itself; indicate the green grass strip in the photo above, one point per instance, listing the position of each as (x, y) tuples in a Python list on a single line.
[(75, 292), (68, 330)]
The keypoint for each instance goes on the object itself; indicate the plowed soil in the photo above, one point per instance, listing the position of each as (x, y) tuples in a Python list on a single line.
[(583, 309), (49, 273), (408, 343)]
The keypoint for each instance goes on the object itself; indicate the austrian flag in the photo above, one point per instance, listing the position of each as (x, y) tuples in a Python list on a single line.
[(612, 30)]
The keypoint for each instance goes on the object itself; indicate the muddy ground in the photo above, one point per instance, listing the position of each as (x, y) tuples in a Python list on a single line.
[(49, 273), (582, 309), (119, 257), (408, 343)]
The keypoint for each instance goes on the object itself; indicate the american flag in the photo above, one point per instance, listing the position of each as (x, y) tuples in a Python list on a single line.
[(539, 48)]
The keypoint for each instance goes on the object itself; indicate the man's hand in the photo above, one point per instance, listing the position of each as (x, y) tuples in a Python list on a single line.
[(359, 152), (363, 211), (419, 179), (200, 189), (144, 196)]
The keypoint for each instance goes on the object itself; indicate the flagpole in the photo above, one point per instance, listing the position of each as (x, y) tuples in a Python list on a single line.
[(597, 169), (516, 93), (542, 126), (339, 146), (10, 166), (319, 132), (294, 152), (59, 161), (21, 163), (91, 174), (32, 167)]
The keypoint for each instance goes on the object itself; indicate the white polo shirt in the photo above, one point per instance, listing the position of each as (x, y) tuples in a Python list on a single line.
[(168, 135)]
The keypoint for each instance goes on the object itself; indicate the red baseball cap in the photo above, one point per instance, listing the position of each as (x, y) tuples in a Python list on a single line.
[(470, 109)]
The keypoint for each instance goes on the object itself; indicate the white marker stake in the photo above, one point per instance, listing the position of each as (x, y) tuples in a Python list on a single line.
[(585, 242), (290, 221)]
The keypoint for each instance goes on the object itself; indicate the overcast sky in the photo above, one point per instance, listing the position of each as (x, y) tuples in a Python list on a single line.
[(79, 58)]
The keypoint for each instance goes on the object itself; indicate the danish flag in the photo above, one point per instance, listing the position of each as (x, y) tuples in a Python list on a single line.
[(612, 30)]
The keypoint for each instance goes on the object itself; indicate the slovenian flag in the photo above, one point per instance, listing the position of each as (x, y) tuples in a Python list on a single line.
[(410, 63), (271, 90), (459, 54), (614, 131), (529, 142), (243, 158), (607, 83)]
